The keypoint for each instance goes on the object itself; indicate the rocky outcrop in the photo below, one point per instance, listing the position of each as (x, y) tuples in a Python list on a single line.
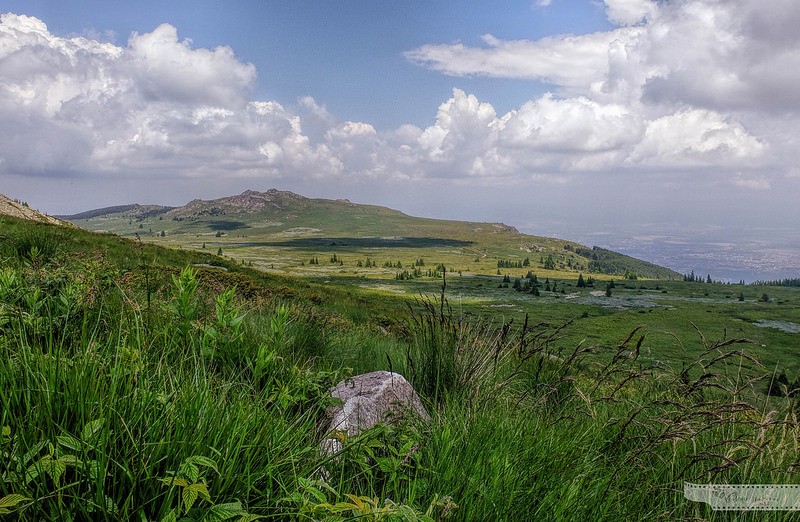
[(369, 399), (21, 210)]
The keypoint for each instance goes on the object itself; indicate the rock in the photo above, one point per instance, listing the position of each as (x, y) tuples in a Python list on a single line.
[(369, 399)]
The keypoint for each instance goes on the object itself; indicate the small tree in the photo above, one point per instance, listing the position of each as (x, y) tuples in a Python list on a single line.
[(581, 282), (219, 251)]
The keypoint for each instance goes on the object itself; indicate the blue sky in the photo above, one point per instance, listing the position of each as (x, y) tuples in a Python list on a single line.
[(542, 114), (348, 55)]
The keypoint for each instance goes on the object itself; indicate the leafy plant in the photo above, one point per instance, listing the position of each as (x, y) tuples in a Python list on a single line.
[(226, 330), (42, 470), (184, 304), (312, 500), (190, 480)]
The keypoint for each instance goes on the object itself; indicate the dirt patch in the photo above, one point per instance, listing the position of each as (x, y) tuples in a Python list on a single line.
[(783, 326)]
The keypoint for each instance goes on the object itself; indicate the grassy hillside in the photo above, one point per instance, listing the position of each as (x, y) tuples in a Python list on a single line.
[(281, 232), (151, 384)]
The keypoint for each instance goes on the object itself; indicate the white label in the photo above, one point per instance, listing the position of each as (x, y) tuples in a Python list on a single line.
[(745, 497)]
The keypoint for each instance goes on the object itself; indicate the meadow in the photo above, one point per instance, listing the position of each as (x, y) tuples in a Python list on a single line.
[(148, 383)]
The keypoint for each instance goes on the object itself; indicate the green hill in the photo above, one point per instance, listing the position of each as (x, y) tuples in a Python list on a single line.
[(281, 231)]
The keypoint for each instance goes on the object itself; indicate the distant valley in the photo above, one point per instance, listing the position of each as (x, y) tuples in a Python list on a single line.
[(727, 253)]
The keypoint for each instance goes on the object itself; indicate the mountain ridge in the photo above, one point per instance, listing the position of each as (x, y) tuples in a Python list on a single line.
[(247, 202), (286, 220)]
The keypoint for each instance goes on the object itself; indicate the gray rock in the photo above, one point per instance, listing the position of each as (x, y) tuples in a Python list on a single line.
[(369, 399)]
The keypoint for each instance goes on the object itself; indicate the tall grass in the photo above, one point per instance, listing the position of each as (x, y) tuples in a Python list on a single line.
[(133, 398)]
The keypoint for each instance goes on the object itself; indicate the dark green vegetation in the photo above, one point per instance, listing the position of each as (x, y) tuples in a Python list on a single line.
[(143, 383)]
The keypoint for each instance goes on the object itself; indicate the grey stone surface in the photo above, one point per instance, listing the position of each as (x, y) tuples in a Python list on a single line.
[(371, 398)]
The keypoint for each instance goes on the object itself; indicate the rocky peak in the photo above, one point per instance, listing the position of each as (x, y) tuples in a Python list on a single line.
[(21, 210)]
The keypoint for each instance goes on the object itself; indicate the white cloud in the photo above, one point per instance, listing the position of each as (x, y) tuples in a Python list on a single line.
[(629, 12), (462, 126), (165, 68), (572, 125), (156, 107), (696, 137), (733, 55), (630, 100), (572, 62), (684, 84)]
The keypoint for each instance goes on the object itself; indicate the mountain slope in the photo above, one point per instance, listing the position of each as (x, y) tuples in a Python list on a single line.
[(286, 228), (10, 207)]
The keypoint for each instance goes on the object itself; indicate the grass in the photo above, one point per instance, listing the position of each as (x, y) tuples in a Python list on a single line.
[(284, 237), (287, 230), (136, 386)]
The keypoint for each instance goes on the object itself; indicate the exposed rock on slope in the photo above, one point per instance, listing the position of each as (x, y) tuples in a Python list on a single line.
[(12, 208), (369, 399)]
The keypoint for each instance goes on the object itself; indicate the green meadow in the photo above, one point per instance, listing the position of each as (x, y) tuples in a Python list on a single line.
[(392, 259), (154, 379)]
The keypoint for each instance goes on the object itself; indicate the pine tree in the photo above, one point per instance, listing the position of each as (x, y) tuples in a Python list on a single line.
[(581, 282)]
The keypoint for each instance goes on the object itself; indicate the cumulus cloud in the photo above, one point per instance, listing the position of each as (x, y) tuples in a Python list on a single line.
[(630, 99), (694, 137), (157, 106), (684, 84), (163, 67), (735, 55)]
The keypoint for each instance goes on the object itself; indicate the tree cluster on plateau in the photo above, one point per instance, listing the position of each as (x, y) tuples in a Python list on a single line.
[(780, 282), (418, 272), (369, 263), (507, 263)]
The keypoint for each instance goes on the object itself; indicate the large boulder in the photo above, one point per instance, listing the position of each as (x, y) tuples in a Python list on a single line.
[(369, 399)]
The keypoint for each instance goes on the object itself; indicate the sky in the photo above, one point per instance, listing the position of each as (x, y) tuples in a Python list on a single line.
[(549, 115)]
